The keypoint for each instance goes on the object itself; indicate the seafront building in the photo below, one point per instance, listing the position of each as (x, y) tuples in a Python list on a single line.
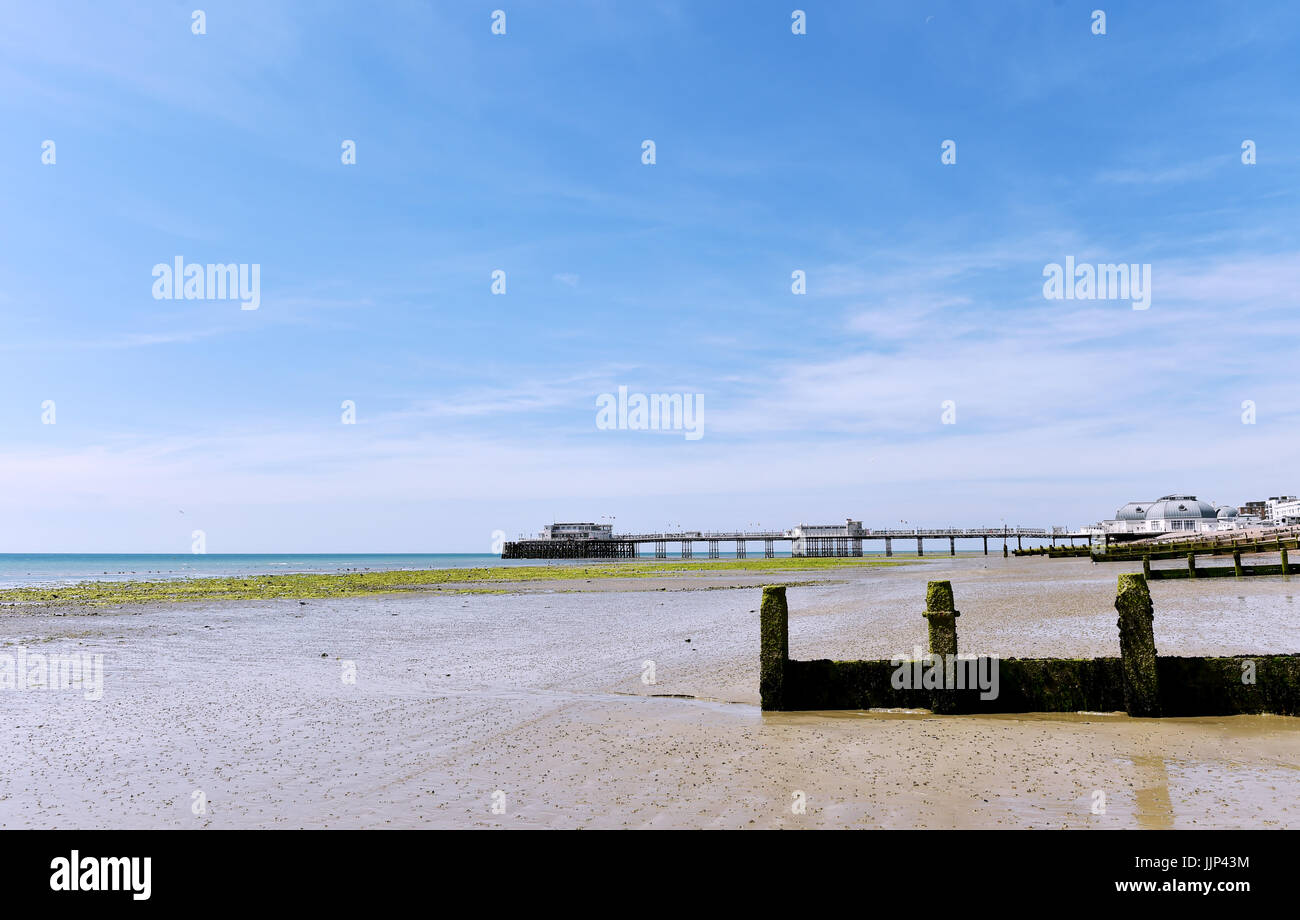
[(1276, 509), (1187, 513), (1167, 514), (1281, 509)]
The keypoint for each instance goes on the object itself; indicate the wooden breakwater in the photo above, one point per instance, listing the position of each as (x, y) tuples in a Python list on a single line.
[(1236, 570), (1138, 682), (1054, 552), (1219, 546)]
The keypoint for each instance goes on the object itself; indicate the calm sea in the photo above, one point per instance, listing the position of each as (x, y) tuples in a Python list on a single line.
[(61, 568), (17, 569)]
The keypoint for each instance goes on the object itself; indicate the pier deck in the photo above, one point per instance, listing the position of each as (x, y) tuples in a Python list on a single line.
[(627, 546)]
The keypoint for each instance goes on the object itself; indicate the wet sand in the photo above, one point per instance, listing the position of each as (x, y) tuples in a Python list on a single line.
[(539, 694)]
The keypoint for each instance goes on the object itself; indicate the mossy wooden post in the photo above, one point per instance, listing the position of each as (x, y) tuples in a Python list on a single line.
[(1137, 646), (941, 615), (1286, 567), (1236, 563), (774, 647), (1146, 566), (1191, 565)]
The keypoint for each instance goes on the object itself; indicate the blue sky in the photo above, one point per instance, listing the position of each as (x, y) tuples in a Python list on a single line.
[(522, 152)]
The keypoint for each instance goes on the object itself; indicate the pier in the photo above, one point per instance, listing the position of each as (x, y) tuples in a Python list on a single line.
[(836, 540)]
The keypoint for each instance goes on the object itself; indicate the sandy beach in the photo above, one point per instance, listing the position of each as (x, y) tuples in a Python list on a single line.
[(538, 694)]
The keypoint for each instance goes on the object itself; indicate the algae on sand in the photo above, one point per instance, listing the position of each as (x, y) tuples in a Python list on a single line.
[(352, 584)]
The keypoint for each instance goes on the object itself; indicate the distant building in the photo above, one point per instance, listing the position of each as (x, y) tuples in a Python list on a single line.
[(1276, 509), (1257, 510), (1171, 514), (850, 529), (577, 532), (1284, 509)]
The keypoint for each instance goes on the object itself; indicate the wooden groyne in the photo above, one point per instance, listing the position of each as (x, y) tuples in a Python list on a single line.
[(1054, 552), (1236, 570), (1219, 546), (1138, 682)]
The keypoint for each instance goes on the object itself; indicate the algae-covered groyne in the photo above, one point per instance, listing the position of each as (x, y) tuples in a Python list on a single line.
[(1138, 682)]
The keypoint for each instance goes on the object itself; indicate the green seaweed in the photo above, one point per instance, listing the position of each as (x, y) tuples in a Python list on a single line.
[(356, 584)]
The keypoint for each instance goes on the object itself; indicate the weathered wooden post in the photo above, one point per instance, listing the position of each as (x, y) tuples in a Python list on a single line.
[(941, 615), (1286, 568), (1004, 551), (774, 646), (1236, 563), (1191, 565), (1146, 566), (1137, 646)]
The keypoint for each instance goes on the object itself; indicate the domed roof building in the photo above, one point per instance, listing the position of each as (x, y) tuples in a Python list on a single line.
[(1168, 514), (1181, 507), (1133, 511)]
